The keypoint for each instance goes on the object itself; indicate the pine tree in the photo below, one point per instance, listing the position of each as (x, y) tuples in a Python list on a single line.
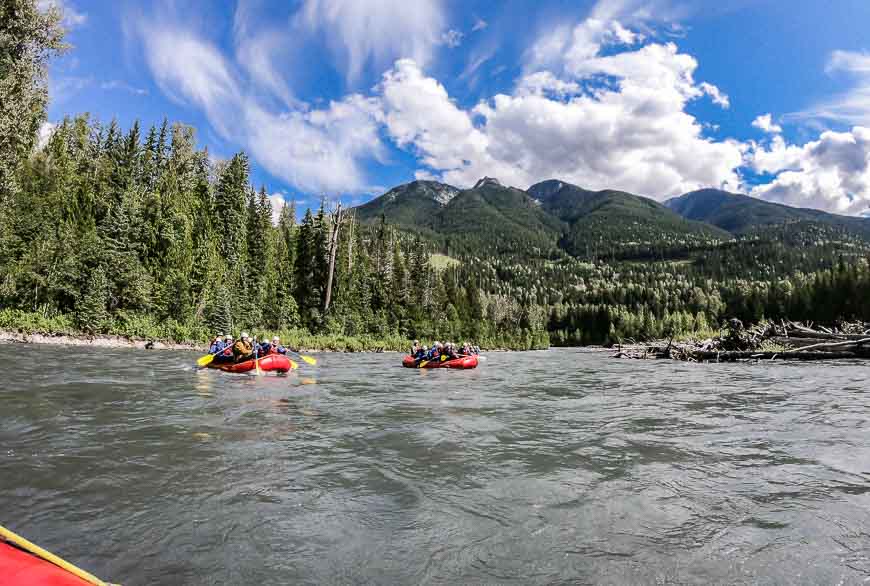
[(92, 310)]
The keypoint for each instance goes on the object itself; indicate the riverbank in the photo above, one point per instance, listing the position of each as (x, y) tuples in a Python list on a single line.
[(767, 340), (328, 343), (333, 344), (100, 341), (23, 327)]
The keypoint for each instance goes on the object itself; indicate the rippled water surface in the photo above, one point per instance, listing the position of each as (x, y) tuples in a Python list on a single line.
[(538, 468)]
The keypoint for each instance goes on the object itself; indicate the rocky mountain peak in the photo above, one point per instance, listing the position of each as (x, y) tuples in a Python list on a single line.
[(487, 181)]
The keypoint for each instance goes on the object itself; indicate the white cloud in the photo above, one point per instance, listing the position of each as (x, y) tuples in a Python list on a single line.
[(479, 25), (419, 115), (71, 17), (719, 98), (312, 149), (317, 150), (611, 118), (452, 38), (765, 122), (831, 173), (46, 129), (376, 33), (278, 201), (545, 83)]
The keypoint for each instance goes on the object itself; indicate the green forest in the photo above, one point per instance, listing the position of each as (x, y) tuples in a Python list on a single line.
[(140, 232)]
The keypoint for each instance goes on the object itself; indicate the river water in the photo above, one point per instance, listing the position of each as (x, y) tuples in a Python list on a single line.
[(551, 467)]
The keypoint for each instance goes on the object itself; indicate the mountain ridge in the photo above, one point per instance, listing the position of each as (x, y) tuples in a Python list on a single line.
[(558, 215)]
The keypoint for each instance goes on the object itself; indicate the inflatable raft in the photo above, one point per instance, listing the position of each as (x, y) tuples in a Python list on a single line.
[(463, 362), (20, 568), (269, 363)]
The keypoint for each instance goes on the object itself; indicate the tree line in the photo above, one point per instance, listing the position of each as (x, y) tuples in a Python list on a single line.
[(143, 233)]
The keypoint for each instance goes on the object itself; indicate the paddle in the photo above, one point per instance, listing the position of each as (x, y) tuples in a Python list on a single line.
[(256, 359), (306, 359)]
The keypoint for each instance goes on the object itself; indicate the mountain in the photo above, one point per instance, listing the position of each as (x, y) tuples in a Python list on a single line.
[(616, 222), (488, 216), (551, 215), (412, 205), (742, 214), (507, 217)]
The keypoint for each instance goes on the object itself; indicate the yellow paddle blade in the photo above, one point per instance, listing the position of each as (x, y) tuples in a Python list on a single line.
[(205, 360), (293, 365), (443, 357), (422, 364), (308, 359)]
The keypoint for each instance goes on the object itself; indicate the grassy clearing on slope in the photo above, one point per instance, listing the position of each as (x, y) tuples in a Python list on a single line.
[(442, 261)]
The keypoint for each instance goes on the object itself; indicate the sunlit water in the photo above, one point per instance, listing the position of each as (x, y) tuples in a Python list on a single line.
[(538, 468)]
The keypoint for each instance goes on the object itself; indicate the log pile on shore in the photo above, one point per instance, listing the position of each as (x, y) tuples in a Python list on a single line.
[(784, 340)]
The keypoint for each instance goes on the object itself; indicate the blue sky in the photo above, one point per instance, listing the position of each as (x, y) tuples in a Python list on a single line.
[(350, 97)]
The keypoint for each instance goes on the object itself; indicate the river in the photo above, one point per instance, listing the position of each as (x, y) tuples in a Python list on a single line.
[(563, 466)]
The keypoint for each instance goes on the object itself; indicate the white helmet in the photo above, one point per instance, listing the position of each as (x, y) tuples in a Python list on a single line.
[(229, 336), (276, 339), (245, 335)]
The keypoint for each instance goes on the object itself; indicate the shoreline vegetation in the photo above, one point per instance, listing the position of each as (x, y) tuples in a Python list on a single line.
[(33, 328)]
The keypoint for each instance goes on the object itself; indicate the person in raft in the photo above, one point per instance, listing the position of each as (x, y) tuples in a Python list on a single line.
[(273, 347), (226, 352), (448, 350), (217, 345), (243, 349)]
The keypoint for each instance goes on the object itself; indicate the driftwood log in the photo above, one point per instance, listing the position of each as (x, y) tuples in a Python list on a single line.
[(765, 341), (750, 355)]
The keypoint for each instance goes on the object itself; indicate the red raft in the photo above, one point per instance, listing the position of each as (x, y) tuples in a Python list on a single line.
[(463, 362), (19, 568), (270, 363)]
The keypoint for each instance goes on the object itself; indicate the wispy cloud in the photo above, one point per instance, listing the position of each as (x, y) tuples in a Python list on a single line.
[(479, 25), (452, 38), (375, 33), (116, 84), (312, 149), (63, 88), (71, 17), (852, 106)]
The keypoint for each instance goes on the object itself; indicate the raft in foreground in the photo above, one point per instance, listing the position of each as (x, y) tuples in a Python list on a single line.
[(462, 363), (270, 363), (21, 568)]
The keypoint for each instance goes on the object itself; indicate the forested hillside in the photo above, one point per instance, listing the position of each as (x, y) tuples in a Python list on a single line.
[(610, 265), (140, 232), (119, 232)]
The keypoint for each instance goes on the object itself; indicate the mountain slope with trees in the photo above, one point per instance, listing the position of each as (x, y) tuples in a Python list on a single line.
[(614, 224), (742, 214)]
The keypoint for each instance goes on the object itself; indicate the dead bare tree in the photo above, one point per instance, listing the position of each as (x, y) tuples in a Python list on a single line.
[(333, 249)]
